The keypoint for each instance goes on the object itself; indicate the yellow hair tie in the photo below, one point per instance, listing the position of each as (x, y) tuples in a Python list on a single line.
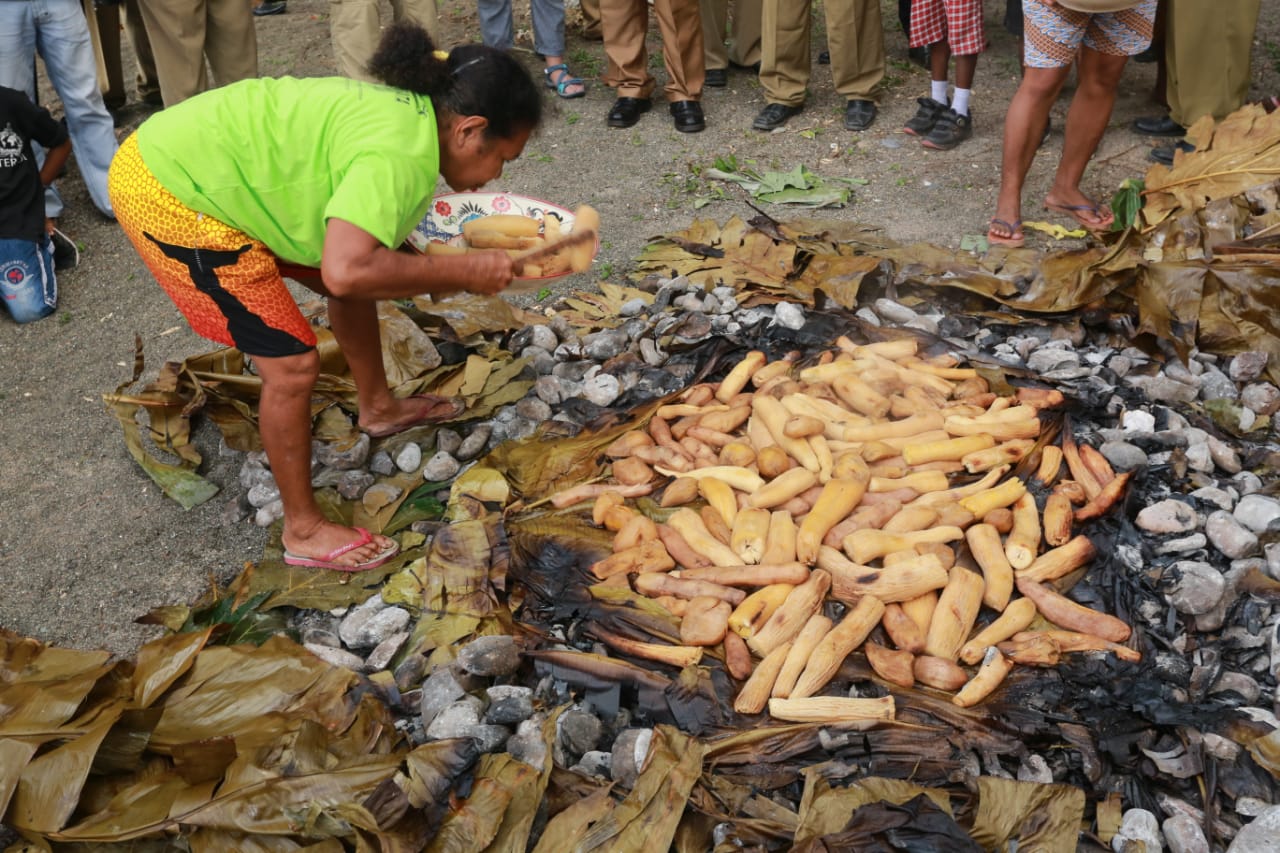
[(441, 55)]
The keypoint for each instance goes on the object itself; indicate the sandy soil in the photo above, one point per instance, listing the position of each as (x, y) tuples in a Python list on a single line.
[(88, 543)]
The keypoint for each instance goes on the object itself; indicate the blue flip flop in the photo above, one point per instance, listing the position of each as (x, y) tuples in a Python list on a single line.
[(565, 81)]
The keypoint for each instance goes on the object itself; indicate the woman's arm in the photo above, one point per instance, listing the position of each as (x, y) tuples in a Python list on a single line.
[(354, 265), (54, 159)]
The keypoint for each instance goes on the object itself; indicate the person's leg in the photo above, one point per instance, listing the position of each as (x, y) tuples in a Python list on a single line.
[(29, 287), (496, 26), (855, 37), (625, 24), (548, 42), (423, 12), (104, 34), (682, 48), (714, 15), (148, 80), (1087, 119), (744, 32), (177, 42), (231, 41), (1209, 57), (784, 51), (62, 40), (353, 30)]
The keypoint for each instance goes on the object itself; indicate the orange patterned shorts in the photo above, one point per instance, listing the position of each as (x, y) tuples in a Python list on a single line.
[(224, 282)]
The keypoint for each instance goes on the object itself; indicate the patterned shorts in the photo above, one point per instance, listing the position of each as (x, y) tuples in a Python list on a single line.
[(224, 282), (1053, 34), (957, 21)]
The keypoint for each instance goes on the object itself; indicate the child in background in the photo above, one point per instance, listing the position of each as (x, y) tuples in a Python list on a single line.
[(28, 286), (947, 28)]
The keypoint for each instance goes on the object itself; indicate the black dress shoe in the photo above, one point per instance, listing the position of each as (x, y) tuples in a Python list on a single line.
[(687, 116), (1163, 154), (859, 114), (627, 111), (717, 78), (775, 115), (1158, 126)]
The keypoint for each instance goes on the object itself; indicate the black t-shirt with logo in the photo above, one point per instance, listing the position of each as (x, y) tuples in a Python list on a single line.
[(21, 193)]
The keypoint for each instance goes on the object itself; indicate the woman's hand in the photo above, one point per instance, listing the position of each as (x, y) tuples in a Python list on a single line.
[(492, 271)]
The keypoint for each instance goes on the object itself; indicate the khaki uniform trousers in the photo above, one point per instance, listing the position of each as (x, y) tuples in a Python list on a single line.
[(1207, 54), (744, 37), (355, 30), (104, 32), (183, 34), (625, 24), (590, 19), (855, 38)]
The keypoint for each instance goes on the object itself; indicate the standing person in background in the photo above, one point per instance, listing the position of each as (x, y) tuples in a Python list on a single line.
[(745, 38), (104, 29), (59, 32), (344, 172), (28, 283), (184, 33), (626, 24), (946, 28), (855, 40), (1056, 37), (354, 29), (496, 28), (1207, 58), (591, 20)]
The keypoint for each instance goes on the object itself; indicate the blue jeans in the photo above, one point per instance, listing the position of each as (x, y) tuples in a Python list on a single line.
[(548, 25), (28, 285), (59, 32)]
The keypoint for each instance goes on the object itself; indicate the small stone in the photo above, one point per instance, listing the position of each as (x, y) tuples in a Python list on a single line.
[(549, 389), (788, 315), (382, 654), (509, 704), (456, 719), (1138, 421), (263, 493), (527, 744), (604, 345), (534, 409), (1223, 749), (493, 656), (1046, 359), (409, 673), (1035, 769), (440, 468), (1260, 835), (633, 307), (1229, 536), (321, 637), (1247, 366), (474, 443), (578, 731), (649, 351), (1165, 389), (1184, 835), (602, 389), (1248, 806), (1257, 512), (1198, 588), (352, 484), (1215, 385), (1122, 455), (365, 629), (1224, 455), (1220, 498), (345, 457), (894, 312), (382, 464), (409, 457), (630, 749), (1183, 545), (380, 495), (1240, 683), (336, 657), (543, 336), (594, 763), (269, 514), (1200, 457), (1137, 826), (1168, 516), (1261, 398), (440, 690)]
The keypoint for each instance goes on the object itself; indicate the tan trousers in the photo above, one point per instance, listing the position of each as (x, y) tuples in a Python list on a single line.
[(355, 30), (183, 34), (104, 32), (625, 24), (855, 38), (744, 37), (1207, 53), (590, 18)]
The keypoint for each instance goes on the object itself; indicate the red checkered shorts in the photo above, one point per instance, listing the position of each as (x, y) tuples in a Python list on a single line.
[(959, 22)]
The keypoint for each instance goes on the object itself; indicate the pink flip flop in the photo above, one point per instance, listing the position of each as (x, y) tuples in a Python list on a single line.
[(330, 560)]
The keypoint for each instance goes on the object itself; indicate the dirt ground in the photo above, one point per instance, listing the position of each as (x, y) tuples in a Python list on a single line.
[(88, 543)]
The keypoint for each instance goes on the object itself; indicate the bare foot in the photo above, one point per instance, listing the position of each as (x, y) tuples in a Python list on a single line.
[(334, 544), (410, 412)]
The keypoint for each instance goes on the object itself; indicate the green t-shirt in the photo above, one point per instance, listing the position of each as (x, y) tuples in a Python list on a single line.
[(277, 157)]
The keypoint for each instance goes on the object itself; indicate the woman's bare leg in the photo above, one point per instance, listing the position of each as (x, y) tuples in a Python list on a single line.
[(1023, 127)]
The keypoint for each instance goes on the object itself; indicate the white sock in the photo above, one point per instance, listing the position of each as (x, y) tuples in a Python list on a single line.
[(960, 103), (938, 90)]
